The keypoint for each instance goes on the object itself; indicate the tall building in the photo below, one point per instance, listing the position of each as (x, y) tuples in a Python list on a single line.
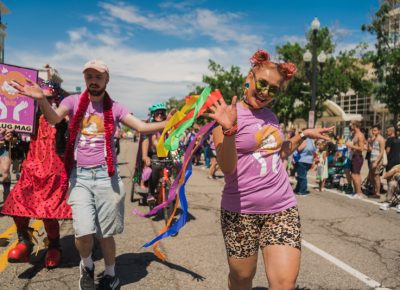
[(363, 105), (3, 10), (393, 24)]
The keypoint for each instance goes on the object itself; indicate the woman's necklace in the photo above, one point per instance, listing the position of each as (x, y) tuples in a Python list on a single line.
[(244, 99)]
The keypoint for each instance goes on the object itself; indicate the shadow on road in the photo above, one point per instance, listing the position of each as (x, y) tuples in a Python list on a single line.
[(70, 257), (132, 267), (160, 216), (297, 288)]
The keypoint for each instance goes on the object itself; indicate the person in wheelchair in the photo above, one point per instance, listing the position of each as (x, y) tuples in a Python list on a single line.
[(393, 192), (151, 172)]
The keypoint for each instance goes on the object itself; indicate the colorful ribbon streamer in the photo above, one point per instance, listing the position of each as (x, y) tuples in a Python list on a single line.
[(183, 119), (182, 179)]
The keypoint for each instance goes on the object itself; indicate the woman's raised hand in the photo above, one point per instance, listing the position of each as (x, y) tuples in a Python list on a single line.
[(225, 115), (318, 133), (29, 89)]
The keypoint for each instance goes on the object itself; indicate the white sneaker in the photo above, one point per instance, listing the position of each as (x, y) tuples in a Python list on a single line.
[(398, 208), (357, 196), (384, 206)]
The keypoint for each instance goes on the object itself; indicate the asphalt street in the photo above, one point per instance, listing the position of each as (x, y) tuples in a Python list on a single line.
[(347, 244)]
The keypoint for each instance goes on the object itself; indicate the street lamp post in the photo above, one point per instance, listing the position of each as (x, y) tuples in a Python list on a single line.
[(321, 58)]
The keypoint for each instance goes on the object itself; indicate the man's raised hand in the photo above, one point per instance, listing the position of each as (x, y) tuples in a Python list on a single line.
[(29, 89)]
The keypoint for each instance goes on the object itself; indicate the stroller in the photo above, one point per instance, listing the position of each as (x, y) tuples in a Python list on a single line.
[(336, 175), (337, 162)]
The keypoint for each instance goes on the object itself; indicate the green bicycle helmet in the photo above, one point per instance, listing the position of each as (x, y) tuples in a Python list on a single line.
[(158, 106)]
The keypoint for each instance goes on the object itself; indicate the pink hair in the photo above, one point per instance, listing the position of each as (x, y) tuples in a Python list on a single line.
[(261, 57)]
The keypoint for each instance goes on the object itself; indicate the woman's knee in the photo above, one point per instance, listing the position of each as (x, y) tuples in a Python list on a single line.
[(282, 283), (240, 277)]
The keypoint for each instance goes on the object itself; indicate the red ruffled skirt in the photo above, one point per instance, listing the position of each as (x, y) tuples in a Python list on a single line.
[(39, 192)]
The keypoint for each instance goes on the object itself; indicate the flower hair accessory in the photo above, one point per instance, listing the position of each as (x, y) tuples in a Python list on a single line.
[(259, 57), (287, 69)]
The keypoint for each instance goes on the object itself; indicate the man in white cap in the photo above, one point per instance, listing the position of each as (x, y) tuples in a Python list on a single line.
[(96, 190)]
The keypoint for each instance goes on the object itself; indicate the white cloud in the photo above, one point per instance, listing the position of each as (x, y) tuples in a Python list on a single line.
[(339, 33), (220, 26), (138, 77), (182, 5), (77, 34), (293, 39)]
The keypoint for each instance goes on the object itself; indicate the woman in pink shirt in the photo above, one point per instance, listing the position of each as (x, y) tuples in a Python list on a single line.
[(258, 208)]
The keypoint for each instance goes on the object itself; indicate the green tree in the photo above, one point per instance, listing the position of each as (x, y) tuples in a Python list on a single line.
[(336, 76), (174, 102), (386, 59), (229, 82)]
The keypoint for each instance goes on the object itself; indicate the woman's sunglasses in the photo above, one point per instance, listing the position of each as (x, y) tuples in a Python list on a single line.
[(264, 87)]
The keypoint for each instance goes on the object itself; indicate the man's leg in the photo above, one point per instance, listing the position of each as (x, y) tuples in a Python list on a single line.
[(82, 202), (84, 245), (357, 183), (377, 183), (110, 196), (108, 249)]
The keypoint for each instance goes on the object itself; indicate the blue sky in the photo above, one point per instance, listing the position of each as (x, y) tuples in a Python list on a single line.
[(159, 49)]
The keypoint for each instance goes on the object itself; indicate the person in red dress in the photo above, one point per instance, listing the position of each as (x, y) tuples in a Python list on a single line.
[(39, 194)]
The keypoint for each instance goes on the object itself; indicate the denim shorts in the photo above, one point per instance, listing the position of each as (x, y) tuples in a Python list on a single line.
[(97, 202)]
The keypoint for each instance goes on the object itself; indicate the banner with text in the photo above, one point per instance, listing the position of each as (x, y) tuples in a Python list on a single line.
[(16, 111)]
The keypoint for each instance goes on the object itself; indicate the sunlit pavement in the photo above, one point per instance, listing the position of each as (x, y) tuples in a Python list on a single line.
[(347, 244)]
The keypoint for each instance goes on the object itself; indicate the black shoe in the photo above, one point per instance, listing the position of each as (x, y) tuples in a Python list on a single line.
[(108, 282), (86, 281)]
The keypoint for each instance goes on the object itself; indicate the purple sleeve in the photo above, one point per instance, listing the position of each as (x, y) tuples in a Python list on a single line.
[(69, 103), (119, 111)]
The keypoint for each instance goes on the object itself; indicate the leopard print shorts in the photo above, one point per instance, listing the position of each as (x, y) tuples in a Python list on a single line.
[(245, 233)]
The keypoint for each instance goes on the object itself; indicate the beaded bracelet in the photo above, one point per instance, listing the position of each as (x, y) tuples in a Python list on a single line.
[(231, 131)]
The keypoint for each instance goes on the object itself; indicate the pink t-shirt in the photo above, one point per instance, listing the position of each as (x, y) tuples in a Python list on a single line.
[(90, 149), (260, 184)]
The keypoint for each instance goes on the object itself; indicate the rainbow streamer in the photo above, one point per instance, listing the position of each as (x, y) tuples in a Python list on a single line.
[(181, 181), (195, 106), (183, 119)]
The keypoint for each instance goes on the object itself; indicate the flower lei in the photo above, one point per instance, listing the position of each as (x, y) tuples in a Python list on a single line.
[(75, 125)]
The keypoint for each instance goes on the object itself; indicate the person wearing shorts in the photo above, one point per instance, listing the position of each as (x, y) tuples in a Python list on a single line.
[(357, 161), (377, 152), (96, 192), (258, 207), (356, 146)]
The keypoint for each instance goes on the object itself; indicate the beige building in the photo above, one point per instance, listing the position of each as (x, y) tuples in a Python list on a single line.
[(3, 27)]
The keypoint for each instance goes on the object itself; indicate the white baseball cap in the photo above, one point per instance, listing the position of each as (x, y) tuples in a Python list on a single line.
[(96, 64)]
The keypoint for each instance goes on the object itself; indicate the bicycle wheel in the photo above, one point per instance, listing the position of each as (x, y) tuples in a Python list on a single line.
[(133, 193), (167, 211)]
